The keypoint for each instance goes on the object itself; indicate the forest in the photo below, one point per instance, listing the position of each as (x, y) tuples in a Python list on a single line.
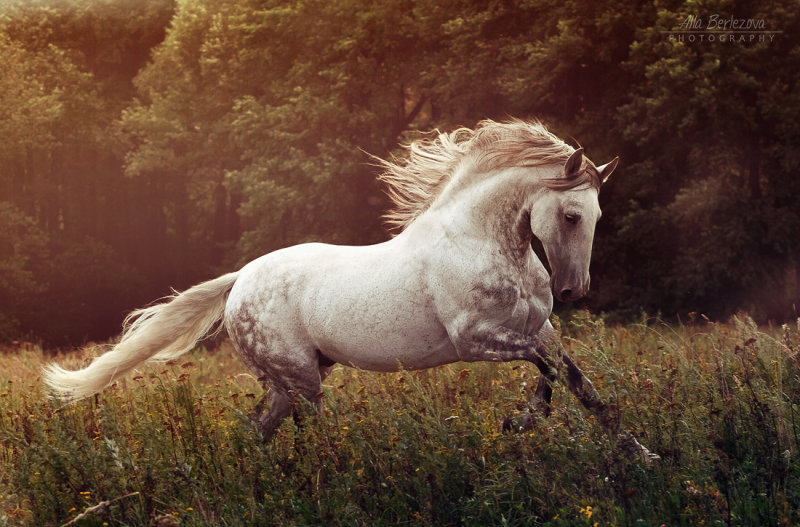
[(150, 144)]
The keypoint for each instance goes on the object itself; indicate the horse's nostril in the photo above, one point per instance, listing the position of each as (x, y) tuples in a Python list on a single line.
[(566, 294)]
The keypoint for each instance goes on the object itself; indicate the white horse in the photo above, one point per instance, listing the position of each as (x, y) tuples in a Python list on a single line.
[(460, 282)]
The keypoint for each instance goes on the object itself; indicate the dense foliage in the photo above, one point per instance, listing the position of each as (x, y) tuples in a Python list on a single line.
[(172, 445), (149, 144)]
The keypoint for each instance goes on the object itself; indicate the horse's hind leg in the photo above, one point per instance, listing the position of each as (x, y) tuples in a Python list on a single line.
[(308, 401), (297, 395), (282, 404), (267, 421)]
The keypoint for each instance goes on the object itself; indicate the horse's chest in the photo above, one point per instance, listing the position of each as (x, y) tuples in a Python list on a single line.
[(521, 301), (534, 300), (530, 310)]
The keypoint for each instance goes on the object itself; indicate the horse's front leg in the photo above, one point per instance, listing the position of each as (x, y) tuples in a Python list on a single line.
[(544, 386), (500, 344), (540, 403)]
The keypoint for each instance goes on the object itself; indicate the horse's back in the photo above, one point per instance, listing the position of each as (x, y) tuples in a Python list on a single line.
[(366, 306)]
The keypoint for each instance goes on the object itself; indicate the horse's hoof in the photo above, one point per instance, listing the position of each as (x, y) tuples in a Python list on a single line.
[(518, 423), (636, 450)]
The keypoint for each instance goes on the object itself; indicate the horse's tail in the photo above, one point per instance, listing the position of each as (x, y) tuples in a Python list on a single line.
[(160, 333)]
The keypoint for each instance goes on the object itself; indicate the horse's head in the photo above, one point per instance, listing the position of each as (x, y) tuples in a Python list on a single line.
[(563, 218)]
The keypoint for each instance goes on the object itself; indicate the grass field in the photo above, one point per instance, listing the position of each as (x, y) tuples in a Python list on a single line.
[(171, 445)]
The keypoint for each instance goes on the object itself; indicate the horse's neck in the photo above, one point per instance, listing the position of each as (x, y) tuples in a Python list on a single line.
[(495, 207)]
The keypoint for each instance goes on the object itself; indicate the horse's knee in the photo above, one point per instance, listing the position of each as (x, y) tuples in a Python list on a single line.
[(268, 420), (544, 387), (306, 403)]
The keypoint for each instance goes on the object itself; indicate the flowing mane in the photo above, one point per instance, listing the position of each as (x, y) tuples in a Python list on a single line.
[(417, 180)]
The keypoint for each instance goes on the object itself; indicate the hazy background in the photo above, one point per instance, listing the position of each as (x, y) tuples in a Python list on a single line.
[(149, 144)]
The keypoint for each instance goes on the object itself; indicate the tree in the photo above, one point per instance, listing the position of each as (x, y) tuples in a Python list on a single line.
[(163, 142), (63, 79), (703, 127), (262, 109), (23, 250)]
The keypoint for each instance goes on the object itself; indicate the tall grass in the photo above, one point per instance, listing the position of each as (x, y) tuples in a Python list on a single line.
[(172, 444)]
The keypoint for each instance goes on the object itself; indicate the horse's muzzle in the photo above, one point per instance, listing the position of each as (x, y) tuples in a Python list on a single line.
[(569, 291)]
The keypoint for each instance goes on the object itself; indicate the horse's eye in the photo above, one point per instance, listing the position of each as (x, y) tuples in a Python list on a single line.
[(572, 217)]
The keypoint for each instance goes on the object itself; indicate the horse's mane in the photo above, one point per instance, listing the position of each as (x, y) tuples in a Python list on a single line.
[(417, 180)]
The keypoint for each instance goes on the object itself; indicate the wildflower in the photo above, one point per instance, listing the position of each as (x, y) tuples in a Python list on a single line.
[(587, 511)]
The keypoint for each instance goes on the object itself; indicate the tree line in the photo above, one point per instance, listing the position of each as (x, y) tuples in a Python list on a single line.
[(150, 144)]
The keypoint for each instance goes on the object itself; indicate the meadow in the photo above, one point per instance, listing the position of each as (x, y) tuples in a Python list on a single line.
[(172, 445)]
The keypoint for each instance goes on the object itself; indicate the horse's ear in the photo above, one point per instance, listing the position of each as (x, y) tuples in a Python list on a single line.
[(573, 164), (606, 170)]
